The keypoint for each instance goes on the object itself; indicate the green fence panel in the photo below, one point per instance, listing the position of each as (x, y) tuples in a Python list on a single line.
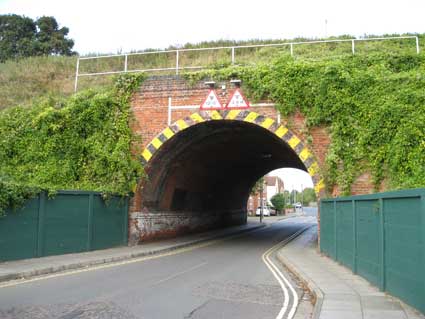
[(368, 240), (18, 232), (327, 228), (66, 224), (70, 222), (109, 222), (389, 240), (345, 234), (404, 249)]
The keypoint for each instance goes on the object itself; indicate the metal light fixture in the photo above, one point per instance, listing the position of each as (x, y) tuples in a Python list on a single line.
[(236, 82), (210, 84)]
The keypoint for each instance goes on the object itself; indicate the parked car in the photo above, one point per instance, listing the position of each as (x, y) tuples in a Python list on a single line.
[(266, 211), (298, 205)]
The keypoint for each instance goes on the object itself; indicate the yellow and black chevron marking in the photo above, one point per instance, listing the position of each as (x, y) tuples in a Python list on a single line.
[(240, 115)]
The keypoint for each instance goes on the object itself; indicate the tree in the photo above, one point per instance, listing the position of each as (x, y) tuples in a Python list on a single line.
[(17, 37), (309, 196), (258, 186), (22, 37), (278, 201), (51, 39)]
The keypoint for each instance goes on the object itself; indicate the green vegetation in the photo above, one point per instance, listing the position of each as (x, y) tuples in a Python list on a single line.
[(372, 105), (278, 201), (80, 143), (22, 37), (25, 79), (258, 187)]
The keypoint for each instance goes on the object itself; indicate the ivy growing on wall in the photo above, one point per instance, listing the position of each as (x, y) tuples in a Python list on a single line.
[(373, 107), (81, 143)]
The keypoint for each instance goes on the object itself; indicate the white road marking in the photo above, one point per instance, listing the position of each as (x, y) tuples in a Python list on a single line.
[(283, 281)]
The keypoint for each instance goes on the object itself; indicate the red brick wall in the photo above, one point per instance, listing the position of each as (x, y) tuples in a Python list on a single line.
[(150, 109)]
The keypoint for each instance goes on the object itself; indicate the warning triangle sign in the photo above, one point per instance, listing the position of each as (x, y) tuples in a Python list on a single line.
[(237, 101), (211, 102)]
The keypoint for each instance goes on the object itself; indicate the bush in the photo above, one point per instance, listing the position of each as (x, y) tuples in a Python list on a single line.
[(80, 143)]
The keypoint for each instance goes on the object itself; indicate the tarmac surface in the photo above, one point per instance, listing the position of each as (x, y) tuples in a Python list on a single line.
[(223, 278)]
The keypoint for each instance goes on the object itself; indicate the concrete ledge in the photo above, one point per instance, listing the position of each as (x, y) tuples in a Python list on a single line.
[(60, 263)]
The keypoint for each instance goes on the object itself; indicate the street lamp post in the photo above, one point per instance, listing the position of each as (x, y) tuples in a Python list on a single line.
[(261, 202)]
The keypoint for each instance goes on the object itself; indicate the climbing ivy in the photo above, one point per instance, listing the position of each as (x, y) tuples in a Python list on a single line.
[(373, 107), (81, 143)]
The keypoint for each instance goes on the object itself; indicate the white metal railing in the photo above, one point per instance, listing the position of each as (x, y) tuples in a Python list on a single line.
[(232, 49)]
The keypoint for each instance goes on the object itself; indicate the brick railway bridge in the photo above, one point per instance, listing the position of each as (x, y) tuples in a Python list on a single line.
[(201, 165)]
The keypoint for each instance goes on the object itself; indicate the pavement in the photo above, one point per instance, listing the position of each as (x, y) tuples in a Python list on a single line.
[(339, 293)]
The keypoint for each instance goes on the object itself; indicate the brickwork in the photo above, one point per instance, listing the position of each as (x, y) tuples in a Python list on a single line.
[(147, 226), (150, 106)]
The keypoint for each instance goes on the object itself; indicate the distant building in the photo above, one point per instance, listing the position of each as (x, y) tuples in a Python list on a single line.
[(272, 186)]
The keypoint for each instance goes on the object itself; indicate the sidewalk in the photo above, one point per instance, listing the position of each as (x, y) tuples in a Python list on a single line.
[(340, 294), (26, 268)]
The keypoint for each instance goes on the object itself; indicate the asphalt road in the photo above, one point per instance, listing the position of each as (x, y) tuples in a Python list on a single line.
[(226, 279), (310, 211)]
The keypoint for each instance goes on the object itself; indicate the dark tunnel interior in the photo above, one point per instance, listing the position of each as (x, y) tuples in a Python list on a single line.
[(213, 166)]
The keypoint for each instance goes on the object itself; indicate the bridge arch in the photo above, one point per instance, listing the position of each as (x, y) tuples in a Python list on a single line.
[(284, 134), (201, 170)]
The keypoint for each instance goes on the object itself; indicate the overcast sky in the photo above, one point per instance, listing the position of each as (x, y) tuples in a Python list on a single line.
[(112, 26), (121, 26)]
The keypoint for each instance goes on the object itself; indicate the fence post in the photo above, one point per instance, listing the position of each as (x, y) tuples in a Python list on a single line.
[(90, 223), (125, 230), (77, 70), (292, 49), (177, 62), (233, 55), (417, 45), (125, 62), (352, 47), (40, 229), (382, 244), (423, 238), (353, 205), (335, 232)]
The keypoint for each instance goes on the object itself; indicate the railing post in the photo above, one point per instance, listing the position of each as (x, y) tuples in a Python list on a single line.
[(233, 55), (292, 49), (125, 62), (417, 45), (169, 111), (77, 69), (177, 62), (352, 47)]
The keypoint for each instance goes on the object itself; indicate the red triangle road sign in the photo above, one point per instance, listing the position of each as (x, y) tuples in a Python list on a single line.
[(237, 101), (211, 102)]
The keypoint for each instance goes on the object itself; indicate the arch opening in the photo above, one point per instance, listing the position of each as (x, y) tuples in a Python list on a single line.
[(208, 163)]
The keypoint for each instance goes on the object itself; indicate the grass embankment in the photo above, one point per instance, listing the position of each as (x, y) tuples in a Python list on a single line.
[(22, 81)]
